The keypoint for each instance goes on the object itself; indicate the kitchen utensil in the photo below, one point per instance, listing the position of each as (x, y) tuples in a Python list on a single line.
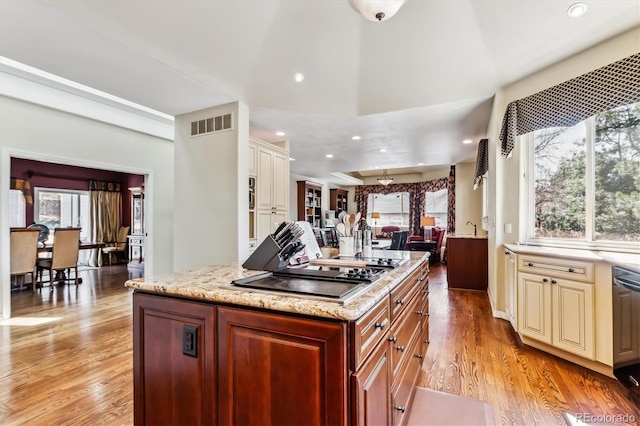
[(341, 229)]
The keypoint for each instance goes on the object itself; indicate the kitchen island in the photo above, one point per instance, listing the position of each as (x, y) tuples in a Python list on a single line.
[(206, 352)]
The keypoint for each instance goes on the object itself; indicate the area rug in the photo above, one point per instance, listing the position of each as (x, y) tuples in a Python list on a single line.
[(438, 408)]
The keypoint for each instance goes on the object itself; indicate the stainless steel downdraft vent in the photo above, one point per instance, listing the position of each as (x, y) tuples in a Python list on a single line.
[(220, 123)]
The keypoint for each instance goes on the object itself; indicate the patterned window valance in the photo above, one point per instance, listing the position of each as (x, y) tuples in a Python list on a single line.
[(568, 103), (97, 185)]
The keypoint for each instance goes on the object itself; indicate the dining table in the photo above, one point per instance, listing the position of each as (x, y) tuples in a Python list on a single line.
[(84, 245)]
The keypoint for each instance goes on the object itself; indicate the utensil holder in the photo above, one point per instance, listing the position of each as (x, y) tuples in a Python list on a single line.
[(347, 246)]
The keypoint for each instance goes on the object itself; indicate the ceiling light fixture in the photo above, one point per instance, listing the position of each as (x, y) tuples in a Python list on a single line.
[(298, 77), (385, 179), (576, 10), (420, 164), (467, 141), (292, 159), (329, 155), (376, 10), (383, 149), (356, 138), (280, 133)]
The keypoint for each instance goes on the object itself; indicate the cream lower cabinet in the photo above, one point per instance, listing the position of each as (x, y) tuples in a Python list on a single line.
[(511, 277), (558, 312)]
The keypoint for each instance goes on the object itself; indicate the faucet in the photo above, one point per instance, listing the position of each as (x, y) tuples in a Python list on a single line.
[(475, 229)]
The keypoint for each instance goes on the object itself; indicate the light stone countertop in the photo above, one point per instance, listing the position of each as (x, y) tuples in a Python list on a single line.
[(625, 260), (213, 283)]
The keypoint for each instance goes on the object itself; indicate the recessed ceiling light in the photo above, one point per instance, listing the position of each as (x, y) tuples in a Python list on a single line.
[(298, 77), (329, 155), (376, 167), (467, 141), (292, 159), (356, 138), (383, 149), (420, 164), (280, 133), (576, 10)]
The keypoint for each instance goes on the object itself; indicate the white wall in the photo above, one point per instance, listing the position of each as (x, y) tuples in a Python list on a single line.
[(504, 173), (211, 179), (28, 130)]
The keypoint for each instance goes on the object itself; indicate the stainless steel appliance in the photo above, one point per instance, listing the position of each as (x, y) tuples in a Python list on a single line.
[(252, 193), (626, 327)]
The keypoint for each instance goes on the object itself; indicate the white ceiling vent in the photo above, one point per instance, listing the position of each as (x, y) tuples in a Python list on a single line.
[(220, 123)]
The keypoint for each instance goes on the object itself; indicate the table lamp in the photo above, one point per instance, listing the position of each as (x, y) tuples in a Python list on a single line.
[(375, 216), (427, 222)]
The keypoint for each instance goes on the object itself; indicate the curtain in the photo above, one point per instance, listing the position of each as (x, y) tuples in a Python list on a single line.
[(104, 214), (25, 186), (417, 194), (451, 213), (482, 162), (573, 101)]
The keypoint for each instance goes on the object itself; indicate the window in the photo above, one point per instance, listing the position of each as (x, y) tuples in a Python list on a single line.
[(59, 208), (586, 180), (393, 209), (436, 205)]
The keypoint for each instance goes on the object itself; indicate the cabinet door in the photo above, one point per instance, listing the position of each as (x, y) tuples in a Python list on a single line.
[(572, 318), (263, 180), (534, 307), (266, 223), (372, 389), (253, 155), (280, 370), (171, 386), (280, 181), (626, 324)]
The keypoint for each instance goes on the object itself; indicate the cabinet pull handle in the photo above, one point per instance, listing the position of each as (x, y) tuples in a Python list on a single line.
[(400, 348), (419, 312), (530, 264), (426, 341), (545, 280), (419, 356), (571, 270), (506, 252), (554, 282), (381, 325), (400, 408), (399, 302), (393, 339)]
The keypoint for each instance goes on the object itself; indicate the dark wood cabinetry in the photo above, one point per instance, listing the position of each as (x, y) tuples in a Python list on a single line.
[(338, 200), (467, 263), (288, 370), (170, 386), (199, 362), (310, 203)]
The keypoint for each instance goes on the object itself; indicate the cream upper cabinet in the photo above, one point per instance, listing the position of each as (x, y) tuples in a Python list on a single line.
[(253, 153), (280, 193), (267, 220), (273, 179), (264, 197)]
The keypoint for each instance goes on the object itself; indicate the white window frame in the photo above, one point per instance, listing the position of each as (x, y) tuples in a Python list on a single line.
[(528, 202), (36, 204)]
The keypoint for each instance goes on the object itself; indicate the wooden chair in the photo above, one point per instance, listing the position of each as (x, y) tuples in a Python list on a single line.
[(120, 246), (24, 252), (64, 256)]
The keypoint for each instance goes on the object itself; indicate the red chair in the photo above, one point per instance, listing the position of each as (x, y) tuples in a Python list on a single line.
[(387, 232)]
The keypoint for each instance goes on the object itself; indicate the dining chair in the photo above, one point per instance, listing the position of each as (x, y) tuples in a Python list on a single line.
[(64, 255), (24, 252), (120, 246)]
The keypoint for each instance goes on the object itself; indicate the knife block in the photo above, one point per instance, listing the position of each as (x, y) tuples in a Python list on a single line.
[(266, 257)]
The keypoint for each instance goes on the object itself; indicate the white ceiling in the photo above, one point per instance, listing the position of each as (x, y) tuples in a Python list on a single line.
[(417, 84)]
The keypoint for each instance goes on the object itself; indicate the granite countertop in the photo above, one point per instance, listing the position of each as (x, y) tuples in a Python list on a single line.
[(213, 283), (625, 260)]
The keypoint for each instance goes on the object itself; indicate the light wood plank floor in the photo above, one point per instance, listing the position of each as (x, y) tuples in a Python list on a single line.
[(76, 369)]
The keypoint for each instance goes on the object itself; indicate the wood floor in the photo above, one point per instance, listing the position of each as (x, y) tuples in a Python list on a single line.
[(76, 368)]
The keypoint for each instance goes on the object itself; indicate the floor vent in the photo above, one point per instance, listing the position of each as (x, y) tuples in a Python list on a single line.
[(220, 123)]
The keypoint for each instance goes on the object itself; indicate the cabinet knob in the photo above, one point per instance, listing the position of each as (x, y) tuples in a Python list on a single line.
[(419, 356), (545, 280), (571, 270), (554, 282), (419, 312), (400, 408), (426, 341), (530, 264), (400, 348), (506, 252), (393, 339), (399, 302), (381, 325)]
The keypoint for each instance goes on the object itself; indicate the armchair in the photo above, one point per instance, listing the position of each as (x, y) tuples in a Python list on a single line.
[(387, 232)]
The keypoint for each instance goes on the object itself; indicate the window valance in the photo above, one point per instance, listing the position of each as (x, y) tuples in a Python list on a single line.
[(575, 100), (98, 185)]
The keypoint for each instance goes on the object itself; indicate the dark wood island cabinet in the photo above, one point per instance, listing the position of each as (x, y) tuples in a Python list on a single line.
[(210, 360)]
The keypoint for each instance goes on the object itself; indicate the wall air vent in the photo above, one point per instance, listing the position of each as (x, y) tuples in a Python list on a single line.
[(220, 123)]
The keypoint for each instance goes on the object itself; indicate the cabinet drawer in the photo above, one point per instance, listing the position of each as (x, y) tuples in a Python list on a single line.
[(403, 332), (401, 295), (369, 329), (559, 268), (404, 387)]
